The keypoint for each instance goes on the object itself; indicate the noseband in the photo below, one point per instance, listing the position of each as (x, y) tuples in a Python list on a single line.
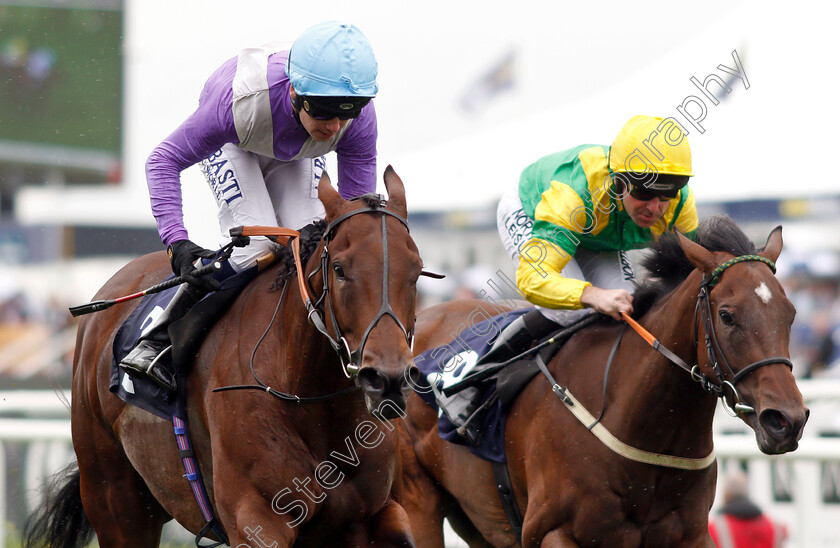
[(727, 378), (323, 305)]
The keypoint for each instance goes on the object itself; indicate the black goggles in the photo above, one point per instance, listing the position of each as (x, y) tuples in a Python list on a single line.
[(643, 194), (646, 187), (327, 108)]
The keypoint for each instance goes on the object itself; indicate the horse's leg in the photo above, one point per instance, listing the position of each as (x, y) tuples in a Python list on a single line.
[(554, 539), (421, 497), (117, 502), (249, 517), (388, 528), (465, 529)]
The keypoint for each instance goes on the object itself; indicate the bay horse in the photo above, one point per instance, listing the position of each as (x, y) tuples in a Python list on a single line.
[(651, 481), (278, 473)]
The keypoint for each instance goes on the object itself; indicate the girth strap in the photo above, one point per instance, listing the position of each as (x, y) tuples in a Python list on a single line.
[(505, 488), (193, 476)]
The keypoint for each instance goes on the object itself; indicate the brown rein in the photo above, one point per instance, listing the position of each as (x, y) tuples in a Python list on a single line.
[(288, 234), (275, 233)]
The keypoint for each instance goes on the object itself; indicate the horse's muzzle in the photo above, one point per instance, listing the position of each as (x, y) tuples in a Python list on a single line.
[(782, 430), (379, 386)]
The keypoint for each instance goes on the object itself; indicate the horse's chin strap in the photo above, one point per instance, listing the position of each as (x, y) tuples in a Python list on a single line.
[(713, 349)]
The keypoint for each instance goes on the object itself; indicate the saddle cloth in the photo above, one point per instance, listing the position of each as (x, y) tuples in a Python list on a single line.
[(186, 335), (444, 366)]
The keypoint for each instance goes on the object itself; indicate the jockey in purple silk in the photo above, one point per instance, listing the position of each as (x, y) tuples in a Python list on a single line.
[(265, 120)]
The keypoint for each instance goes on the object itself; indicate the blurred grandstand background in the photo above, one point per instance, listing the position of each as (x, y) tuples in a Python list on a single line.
[(87, 87)]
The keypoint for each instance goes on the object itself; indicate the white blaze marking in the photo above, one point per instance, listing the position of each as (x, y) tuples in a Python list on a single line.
[(763, 292)]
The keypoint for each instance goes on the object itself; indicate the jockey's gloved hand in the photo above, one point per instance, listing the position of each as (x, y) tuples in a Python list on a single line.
[(182, 255)]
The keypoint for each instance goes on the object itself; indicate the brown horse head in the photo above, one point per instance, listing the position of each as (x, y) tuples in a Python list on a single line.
[(750, 319), (371, 270)]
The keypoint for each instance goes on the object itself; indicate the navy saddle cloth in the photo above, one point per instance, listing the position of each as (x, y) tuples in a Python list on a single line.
[(186, 334), (444, 366)]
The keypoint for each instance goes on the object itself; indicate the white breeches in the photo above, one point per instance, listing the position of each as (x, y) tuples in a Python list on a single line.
[(257, 190), (604, 269)]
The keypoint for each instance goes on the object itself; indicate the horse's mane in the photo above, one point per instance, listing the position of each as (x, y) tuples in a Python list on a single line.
[(667, 266), (310, 237)]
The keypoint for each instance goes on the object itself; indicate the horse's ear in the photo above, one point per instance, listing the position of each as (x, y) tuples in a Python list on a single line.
[(328, 195), (396, 191), (699, 256), (773, 247)]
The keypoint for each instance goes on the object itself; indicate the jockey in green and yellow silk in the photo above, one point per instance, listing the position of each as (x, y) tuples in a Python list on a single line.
[(573, 215)]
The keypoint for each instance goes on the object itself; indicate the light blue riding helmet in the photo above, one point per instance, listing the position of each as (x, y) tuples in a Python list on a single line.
[(333, 59)]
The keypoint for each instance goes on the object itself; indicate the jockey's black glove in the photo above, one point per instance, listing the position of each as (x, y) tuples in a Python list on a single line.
[(182, 255)]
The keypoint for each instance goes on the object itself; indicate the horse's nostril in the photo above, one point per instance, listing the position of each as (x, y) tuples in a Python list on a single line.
[(371, 380), (775, 422), (412, 376)]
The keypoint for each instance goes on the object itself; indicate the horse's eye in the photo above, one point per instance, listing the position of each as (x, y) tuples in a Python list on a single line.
[(726, 317), (339, 271)]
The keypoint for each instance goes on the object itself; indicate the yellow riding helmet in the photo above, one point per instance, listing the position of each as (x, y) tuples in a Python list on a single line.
[(651, 144)]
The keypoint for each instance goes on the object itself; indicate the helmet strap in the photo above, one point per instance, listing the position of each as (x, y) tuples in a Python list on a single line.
[(296, 106), (297, 102)]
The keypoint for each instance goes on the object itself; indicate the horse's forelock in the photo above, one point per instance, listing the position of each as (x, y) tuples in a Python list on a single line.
[(310, 237), (371, 200), (667, 266)]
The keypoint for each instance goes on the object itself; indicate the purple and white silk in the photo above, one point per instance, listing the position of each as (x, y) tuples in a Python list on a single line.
[(246, 103)]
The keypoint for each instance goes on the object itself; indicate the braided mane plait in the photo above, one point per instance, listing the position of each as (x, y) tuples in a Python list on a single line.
[(667, 266), (370, 199), (310, 237)]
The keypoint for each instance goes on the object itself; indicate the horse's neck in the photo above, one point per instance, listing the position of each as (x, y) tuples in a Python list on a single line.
[(664, 393), (305, 363)]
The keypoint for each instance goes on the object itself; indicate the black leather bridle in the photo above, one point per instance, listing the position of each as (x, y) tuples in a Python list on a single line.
[(350, 360), (323, 306), (726, 377), (717, 358)]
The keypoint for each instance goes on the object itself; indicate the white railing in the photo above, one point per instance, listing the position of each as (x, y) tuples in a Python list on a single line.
[(41, 420), (801, 489)]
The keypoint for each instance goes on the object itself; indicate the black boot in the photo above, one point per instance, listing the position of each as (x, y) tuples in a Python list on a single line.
[(144, 359), (519, 335)]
